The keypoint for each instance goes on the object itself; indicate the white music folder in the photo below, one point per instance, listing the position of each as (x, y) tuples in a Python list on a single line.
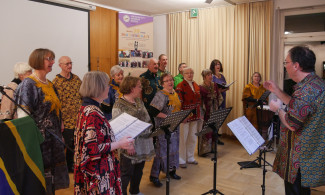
[(127, 125), (246, 133)]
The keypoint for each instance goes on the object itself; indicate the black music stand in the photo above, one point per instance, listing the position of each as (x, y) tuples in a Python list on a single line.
[(217, 118), (168, 126)]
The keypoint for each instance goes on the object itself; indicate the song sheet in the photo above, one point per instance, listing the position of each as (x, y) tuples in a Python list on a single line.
[(246, 133), (127, 125)]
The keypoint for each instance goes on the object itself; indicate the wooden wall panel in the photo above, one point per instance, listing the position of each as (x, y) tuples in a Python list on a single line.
[(103, 39)]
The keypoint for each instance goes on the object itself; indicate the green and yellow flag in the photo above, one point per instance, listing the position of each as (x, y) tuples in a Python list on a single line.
[(21, 164)]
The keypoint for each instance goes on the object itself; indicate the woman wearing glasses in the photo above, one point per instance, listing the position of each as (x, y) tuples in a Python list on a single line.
[(189, 94), (38, 96), (133, 161), (165, 102)]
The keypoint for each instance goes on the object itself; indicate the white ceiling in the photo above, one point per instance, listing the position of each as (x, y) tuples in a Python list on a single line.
[(157, 7)]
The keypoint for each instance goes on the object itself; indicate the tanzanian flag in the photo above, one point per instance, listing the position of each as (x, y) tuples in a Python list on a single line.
[(21, 164)]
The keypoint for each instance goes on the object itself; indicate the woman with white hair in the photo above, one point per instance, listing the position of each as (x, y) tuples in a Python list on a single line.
[(21, 71), (114, 93), (189, 94)]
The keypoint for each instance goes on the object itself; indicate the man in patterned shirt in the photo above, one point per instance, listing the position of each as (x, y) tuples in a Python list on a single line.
[(149, 81), (68, 85), (300, 159)]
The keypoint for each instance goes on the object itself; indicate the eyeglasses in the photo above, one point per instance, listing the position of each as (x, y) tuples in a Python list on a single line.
[(49, 59), (285, 63), (189, 73), (67, 63)]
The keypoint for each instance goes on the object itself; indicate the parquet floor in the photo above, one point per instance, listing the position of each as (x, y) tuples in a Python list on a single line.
[(198, 179)]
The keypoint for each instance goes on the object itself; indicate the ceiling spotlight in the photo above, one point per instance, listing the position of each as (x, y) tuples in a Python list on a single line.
[(208, 1)]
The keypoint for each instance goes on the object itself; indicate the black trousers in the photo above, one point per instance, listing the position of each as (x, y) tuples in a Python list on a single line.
[(68, 139), (131, 173), (296, 188)]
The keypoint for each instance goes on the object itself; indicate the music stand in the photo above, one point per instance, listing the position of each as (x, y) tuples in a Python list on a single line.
[(257, 163), (167, 127), (253, 164), (263, 98), (213, 124)]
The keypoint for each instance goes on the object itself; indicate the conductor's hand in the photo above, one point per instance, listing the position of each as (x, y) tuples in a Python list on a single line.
[(271, 86)]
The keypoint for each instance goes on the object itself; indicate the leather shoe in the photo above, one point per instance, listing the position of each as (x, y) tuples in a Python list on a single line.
[(155, 181), (173, 175), (220, 142)]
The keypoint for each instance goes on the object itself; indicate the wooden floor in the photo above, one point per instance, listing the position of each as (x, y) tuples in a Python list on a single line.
[(198, 179)]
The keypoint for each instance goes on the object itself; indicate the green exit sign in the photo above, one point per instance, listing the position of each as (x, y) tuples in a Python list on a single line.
[(194, 13)]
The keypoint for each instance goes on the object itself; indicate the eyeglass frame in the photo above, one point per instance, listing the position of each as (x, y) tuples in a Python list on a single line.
[(67, 63), (285, 63), (49, 59)]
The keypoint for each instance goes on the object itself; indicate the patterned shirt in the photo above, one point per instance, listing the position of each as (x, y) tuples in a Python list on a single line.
[(97, 170), (190, 98), (150, 86), (68, 90), (43, 104), (143, 144), (210, 99), (159, 73), (304, 148)]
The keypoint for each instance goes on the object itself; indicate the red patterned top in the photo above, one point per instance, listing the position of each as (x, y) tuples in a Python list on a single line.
[(97, 170), (190, 99)]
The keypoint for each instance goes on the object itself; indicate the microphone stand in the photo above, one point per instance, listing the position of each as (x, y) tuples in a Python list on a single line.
[(51, 133)]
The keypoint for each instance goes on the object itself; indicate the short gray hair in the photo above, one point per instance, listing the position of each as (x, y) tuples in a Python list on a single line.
[(187, 68), (93, 84), (21, 68), (115, 70)]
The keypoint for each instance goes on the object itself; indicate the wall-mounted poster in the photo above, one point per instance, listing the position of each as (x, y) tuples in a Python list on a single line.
[(135, 40)]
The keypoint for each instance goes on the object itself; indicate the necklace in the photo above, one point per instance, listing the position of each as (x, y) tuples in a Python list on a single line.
[(44, 82)]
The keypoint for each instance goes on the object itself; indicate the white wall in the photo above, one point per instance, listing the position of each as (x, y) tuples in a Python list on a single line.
[(160, 29), (27, 25), (287, 4)]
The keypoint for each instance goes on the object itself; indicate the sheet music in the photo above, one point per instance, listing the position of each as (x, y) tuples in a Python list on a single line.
[(121, 122), (229, 84), (225, 86), (133, 130), (246, 133), (127, 125)]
